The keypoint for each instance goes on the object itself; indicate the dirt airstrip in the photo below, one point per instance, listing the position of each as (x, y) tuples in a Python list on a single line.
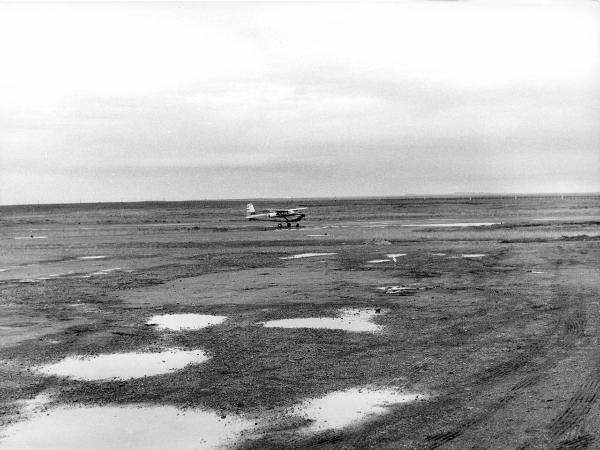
[(479, 336)]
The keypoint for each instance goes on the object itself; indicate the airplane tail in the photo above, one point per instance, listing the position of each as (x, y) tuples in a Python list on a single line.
[(250, 209)]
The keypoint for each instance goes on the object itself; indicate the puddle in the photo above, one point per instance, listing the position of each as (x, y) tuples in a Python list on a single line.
[(123, 365), (437, 254), (106, 271), (341, 409), (316, 235), (307, 255), (400, 290), (474, 255), (3, 270), (377, 261), (132, 426), (357, 320), (36, 404), (395, 255), (536, 271), (92, 257), (28, 280), (31, 237), (177, 322)]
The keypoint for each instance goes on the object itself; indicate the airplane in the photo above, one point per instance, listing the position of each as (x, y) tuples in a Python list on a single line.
[(282, 216)]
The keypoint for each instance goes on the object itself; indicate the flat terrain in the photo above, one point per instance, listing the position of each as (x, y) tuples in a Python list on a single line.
[(499, 332)]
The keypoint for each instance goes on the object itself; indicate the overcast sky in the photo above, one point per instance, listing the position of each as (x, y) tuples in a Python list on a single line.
[(141, 101)]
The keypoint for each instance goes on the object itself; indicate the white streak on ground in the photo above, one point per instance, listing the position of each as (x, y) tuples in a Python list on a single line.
[(123, 365), (133, 426), (456, 224), (356, 320), (341, 409), (179, 322), (307, 255)]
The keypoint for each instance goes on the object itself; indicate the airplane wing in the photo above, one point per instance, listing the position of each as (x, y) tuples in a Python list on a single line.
[(281, 212)]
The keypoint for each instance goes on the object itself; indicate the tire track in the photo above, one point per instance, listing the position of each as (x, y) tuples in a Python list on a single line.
[(528, 380), (583, 441), (575, 324), (578, 407), (440, 439), (569, 326)]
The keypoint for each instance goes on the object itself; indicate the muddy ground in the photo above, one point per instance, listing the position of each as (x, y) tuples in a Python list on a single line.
[(505, 345)]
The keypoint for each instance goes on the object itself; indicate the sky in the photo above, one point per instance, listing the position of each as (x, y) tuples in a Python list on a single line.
[(191, 101)]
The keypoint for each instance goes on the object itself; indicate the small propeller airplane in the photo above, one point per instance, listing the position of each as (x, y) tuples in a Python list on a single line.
[(282, 216)]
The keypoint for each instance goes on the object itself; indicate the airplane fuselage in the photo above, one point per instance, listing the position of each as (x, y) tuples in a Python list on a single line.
[(277, 216), (281, 216)]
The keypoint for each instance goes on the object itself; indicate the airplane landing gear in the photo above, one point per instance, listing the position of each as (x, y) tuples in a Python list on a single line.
[(287, 225)]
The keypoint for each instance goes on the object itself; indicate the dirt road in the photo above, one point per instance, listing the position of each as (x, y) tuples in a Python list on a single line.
[(497, 329)]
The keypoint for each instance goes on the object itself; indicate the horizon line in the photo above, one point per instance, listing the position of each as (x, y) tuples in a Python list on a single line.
[(349, 197)]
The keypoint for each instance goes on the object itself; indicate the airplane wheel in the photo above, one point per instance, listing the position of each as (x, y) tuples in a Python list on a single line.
[(289, 225), (297, 225), (279, 225)]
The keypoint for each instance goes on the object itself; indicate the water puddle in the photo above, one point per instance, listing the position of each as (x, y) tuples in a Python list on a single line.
[(341, 409), (132, 426), (316, 235), (31, 237), (92, 257), (3, 270), (178, 322), (473, 255), (357, 320), (395, 255), (56, 275), (400, 290), (537, 271), (378, 261), (106, 271), (36, 404), (123, 365), (437, 254), (307, 255)]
